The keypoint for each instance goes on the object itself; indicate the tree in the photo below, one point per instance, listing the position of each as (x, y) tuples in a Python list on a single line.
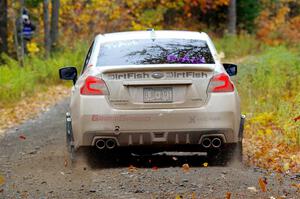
[(54, 22), (47, 39), (3, 26), (232, 17)]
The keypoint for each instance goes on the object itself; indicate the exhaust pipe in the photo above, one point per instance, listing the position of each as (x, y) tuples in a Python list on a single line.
[(216, 142), (100, 144), (110, 143), (206, 142)]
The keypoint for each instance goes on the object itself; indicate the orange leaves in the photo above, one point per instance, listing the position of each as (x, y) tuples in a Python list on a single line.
[(228, 195), (132, 168), (262, 184), (297, 118), (185, 168), (275, 26)]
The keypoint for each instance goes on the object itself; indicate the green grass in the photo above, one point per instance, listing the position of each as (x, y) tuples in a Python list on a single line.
[(37, 74), (269, 79), (235, 47), (269, 85)]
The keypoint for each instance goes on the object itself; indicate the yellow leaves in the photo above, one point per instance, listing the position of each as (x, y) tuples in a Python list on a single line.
[(2, 180), (178, 197), (32, 48), (286, 166), (205, 164), (263, 118), (31, 106)]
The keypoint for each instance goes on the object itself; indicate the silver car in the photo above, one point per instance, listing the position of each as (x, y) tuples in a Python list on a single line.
[(157, 90)]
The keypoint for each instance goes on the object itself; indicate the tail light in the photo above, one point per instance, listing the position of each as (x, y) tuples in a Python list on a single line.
[(220, 83), (93, 86)]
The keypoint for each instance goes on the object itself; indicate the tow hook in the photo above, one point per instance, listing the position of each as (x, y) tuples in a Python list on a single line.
[(117, 130)]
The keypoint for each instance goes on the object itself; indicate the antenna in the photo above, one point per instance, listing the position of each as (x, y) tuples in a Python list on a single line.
[(152, 33)]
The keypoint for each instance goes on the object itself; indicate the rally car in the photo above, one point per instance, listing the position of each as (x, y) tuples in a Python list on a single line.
[(161, 90)]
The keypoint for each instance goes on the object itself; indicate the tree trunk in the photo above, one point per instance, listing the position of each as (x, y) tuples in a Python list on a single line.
[(232, 17), (3, 26), (54, 22), (47, 39)]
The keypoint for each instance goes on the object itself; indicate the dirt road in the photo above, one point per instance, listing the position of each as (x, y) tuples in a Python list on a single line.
[(34, 164)]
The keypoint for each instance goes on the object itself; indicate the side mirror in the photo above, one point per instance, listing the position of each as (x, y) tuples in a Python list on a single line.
[(68, 73), (231, 69)]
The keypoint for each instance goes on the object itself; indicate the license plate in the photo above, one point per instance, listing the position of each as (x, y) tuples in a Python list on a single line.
[(158, 95)]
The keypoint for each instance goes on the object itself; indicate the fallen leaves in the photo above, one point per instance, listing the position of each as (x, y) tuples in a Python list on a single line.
[(132, 168), (22, 137), (269, 145), (205, 164), (185, 168), (65, 163), (154, 168), (297, 186), (262, 184), (29, 107), (2, 180), (178, 197), (297, 118), (228, 195)]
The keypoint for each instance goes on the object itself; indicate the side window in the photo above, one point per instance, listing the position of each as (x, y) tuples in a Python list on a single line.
[(87, 58)]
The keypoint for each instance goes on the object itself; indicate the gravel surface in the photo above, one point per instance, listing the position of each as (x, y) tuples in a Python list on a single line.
[(34, 163)]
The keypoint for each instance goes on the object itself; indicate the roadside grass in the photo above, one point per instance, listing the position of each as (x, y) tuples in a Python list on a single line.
[(269, 85), (37, 74), (236, 47)]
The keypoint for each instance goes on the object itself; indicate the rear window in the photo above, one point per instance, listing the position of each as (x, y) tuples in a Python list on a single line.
[(158, 51)]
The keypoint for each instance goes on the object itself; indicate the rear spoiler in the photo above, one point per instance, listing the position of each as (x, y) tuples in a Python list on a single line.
[(158, 67)]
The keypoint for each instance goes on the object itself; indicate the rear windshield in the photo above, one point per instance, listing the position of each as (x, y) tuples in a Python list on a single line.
[(158, 51)]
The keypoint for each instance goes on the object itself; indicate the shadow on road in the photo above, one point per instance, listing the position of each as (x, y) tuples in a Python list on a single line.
[(119, 159)]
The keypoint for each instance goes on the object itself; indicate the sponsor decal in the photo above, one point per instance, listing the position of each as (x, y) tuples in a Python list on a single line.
[(157, 75), (138, 118)]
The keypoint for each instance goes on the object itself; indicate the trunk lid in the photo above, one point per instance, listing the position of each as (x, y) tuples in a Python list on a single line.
[(157, 86)]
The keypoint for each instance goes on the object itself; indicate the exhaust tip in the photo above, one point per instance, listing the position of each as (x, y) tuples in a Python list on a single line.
[(110, 143), (100, 144), (216, 142), (206, 142)]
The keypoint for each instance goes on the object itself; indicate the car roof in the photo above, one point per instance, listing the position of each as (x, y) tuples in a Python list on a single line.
[(150, 34)]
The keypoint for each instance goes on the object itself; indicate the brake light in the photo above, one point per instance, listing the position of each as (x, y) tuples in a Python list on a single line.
[(93, 86), (220, 83)]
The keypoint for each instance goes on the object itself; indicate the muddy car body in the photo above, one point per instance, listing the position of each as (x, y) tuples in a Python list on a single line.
[(154, 88)]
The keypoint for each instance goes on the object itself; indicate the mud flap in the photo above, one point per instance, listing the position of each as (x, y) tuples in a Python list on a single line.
[(69, 136), (239, 147), (241, 130)]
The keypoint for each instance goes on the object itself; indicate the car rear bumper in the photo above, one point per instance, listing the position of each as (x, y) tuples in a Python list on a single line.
[(94, 119)]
